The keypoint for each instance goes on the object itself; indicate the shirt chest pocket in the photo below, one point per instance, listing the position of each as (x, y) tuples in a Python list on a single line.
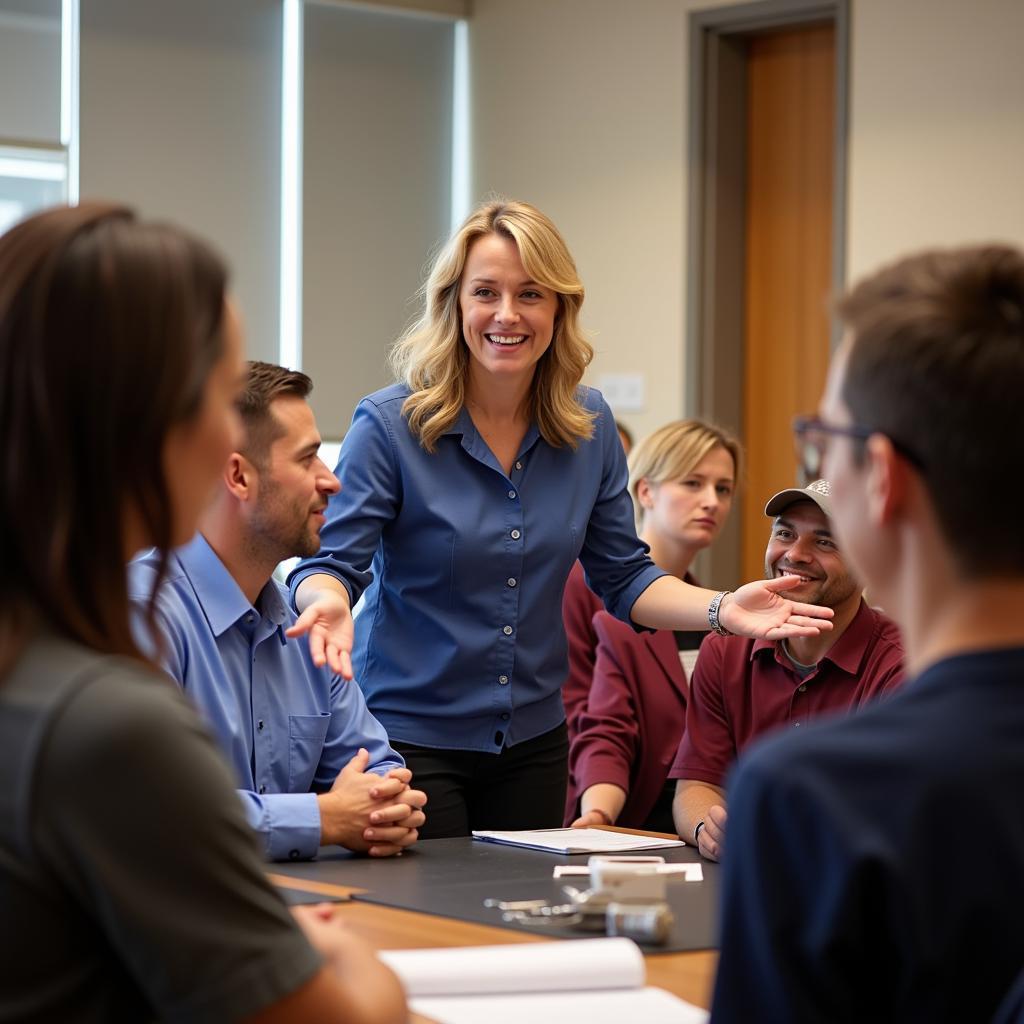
[(306, 735)]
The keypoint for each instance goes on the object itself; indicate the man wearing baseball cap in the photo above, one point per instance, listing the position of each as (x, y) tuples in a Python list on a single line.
[(741, 688)]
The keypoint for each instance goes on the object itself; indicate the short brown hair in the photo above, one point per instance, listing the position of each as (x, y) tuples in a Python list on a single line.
[(109, 329), (937, 363), (264, 383)]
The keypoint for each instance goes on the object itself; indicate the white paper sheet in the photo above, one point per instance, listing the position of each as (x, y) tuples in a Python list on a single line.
[(643, 1005), (585, 964), (577, 840)]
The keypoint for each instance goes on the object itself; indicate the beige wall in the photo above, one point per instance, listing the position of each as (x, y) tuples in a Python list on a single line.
[(180, 115), (581, 107), (937, 126), (376, 191)]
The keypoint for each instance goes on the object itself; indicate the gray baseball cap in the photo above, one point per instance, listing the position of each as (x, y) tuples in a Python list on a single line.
[(820, 492)]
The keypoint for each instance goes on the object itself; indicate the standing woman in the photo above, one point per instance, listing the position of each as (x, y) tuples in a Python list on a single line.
[(468, 490), (682, 478), (131, 885)]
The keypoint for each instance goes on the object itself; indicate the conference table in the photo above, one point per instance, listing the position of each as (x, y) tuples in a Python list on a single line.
[(381, 887)]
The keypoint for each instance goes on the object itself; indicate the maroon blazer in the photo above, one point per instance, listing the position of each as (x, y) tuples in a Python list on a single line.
[(579, 606), (634, 718)]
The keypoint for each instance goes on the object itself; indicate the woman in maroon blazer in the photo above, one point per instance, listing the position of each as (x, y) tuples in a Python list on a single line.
[(627, 716)]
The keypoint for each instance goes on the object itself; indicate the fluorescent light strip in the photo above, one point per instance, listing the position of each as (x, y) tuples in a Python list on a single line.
[(290, 340), (460, 196), (70, 18)]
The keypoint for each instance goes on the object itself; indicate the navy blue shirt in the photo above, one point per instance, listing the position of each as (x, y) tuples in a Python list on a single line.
[(874, 865), (1011, 1010), (459, 641)]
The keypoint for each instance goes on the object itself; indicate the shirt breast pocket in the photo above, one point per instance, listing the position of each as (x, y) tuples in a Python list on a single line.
[(306, 735)]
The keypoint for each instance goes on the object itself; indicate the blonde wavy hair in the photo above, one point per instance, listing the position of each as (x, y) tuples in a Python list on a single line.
[(431, 358), (674, 451)]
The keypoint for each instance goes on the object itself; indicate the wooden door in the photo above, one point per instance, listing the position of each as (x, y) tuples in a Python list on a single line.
[(788, 258)]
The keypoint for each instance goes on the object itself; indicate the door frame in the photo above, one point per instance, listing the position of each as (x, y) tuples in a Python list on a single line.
[(714, 323)]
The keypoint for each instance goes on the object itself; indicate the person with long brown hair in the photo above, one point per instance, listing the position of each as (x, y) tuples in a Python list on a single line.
[(468, 489), (131, 886)]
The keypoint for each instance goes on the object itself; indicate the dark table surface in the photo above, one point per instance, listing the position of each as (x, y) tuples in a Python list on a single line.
[(453, 877)]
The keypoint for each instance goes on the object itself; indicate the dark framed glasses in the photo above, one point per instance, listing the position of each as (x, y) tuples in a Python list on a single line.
[(811, 435)]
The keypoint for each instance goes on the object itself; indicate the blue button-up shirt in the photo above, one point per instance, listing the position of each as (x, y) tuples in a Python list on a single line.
[(287, 726), (459, 641)]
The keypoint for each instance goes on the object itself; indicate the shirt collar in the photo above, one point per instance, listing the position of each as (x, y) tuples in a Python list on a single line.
[(462, 424), (846, 653), (220, 597), (475, 444)]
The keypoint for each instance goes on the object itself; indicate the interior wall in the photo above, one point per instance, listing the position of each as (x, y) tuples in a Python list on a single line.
[(180, 117), (937, 124), (580, 106), (30, 71), (376, 192)]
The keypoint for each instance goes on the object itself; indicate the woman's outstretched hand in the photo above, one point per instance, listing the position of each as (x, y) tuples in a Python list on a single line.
[(759, 610), (327, 620)]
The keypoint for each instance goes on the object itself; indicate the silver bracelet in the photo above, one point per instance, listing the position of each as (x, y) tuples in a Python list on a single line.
[(713, 621)]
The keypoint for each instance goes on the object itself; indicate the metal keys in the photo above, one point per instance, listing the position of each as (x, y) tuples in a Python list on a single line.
[(592, 910)]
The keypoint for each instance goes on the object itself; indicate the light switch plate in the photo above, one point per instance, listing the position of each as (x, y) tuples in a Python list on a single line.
[(624, 392)]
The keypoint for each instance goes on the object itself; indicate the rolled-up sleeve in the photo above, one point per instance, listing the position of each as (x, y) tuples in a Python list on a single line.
[(369, 499), (614, 559)]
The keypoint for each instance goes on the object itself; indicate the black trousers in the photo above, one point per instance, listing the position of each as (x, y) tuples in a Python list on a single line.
[(522, 787)]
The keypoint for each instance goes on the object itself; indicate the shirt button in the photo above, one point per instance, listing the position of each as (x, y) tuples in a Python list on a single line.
[(250, 618), (505, 717), (515, 535), (511, 581), (259, 725), (503, 680), (507, 630), (263, 789), (519, 465), (294, 854), (511, 494), (802, 687)]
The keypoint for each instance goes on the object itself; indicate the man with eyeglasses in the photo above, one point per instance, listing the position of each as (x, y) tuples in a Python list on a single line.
[(743, 689), (875, 868)]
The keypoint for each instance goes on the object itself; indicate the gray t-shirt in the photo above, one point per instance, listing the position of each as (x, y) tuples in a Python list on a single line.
[(131, 886)]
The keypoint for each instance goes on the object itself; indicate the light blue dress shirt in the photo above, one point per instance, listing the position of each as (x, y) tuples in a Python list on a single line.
[(459, 641), (287, 726)]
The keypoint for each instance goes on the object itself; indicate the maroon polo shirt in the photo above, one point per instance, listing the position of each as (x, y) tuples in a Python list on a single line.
[(742, 689)]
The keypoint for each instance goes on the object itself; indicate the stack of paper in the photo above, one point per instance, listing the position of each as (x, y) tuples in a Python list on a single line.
[(600, 981), (577, 840)]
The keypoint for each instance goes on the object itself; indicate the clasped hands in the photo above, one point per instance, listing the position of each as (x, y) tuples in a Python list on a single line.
[(374, 814)]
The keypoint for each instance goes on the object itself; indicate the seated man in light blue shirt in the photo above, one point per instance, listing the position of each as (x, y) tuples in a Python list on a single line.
[(315, 767)]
